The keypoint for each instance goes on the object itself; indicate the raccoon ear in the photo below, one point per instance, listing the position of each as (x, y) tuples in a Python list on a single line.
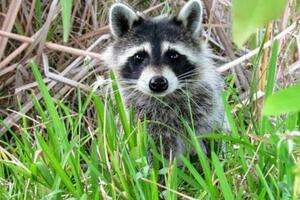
[(121, 19), (191, 16)]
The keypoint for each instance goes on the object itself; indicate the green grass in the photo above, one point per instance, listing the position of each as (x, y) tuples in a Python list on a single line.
[(66, 6)]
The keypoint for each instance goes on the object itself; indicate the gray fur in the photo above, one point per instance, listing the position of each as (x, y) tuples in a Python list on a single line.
[(191, 16), (121, 19), (200, 93)]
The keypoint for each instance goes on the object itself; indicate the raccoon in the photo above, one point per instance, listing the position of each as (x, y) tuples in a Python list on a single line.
[(166, 74)]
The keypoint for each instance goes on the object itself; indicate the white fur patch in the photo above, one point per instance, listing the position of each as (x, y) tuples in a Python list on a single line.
[(172, 79), (114, 62), (108, 58), (149, 72), (133, 50), (183, 49)]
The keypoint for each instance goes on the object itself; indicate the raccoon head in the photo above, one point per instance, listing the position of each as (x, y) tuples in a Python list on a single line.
[(157, 56)]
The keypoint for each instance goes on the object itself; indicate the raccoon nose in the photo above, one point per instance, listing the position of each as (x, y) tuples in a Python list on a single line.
[(158, 84)]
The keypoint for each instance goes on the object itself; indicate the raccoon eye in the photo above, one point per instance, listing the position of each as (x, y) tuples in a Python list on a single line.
[(139, 58), (173, 55)]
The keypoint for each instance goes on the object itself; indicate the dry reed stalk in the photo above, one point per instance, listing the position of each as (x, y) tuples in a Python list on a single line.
[(262, 72), (29, 86), (105, 29), (12, 118), (210, 20), (29, 20), (61, 79), (84, 16), (43, 37), (293, 67), (51, 45), (14, 54), (240, 78), (9, 22), (25, 46), (252, 53)]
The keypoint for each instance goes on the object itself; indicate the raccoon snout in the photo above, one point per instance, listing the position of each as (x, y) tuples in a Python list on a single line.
[(158, 84)]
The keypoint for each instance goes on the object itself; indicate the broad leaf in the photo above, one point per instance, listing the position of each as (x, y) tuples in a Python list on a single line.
[(284, 101), (250, 15)]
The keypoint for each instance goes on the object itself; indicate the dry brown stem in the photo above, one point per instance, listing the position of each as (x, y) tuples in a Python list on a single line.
[(9, 22), (52, 46)]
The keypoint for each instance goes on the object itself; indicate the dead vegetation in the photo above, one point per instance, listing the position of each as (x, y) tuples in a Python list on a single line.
[(32, 30)]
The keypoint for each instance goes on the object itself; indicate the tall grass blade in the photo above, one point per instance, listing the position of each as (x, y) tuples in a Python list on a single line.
[(270, 80), (203, 160), (226, 190), (121, 108), (264, 182), (56, 165), (66, 6), (56, 121)]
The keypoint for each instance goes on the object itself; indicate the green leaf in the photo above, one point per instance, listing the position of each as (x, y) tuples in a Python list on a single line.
[(226, 189), (264, 182), (250, 15), (66, 6), (58, 124), (196, 175), (271, 81), (57, 166), (284, 101), (38, 14), (121, 108)]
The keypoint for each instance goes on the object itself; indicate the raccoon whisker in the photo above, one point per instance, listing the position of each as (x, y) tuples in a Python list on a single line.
[(194, 90), (185, 74), (165, 102), (195, 81), (132, 94), (125, 89), (128, 79), (189, 83), (189, 96), (201, 85), (189, 73), (188, 76), (151, 98), (128, 85), (128, 82)]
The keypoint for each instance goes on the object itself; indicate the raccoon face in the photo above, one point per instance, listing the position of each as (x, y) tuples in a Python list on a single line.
[(156, 56)]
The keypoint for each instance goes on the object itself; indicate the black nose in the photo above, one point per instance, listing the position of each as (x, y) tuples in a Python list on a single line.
[(158, 84)]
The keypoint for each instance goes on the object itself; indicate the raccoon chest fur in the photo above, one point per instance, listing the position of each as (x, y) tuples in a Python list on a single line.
[(165, 118)]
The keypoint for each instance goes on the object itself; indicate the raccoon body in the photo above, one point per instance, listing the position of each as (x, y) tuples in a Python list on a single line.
[(165, 72)]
